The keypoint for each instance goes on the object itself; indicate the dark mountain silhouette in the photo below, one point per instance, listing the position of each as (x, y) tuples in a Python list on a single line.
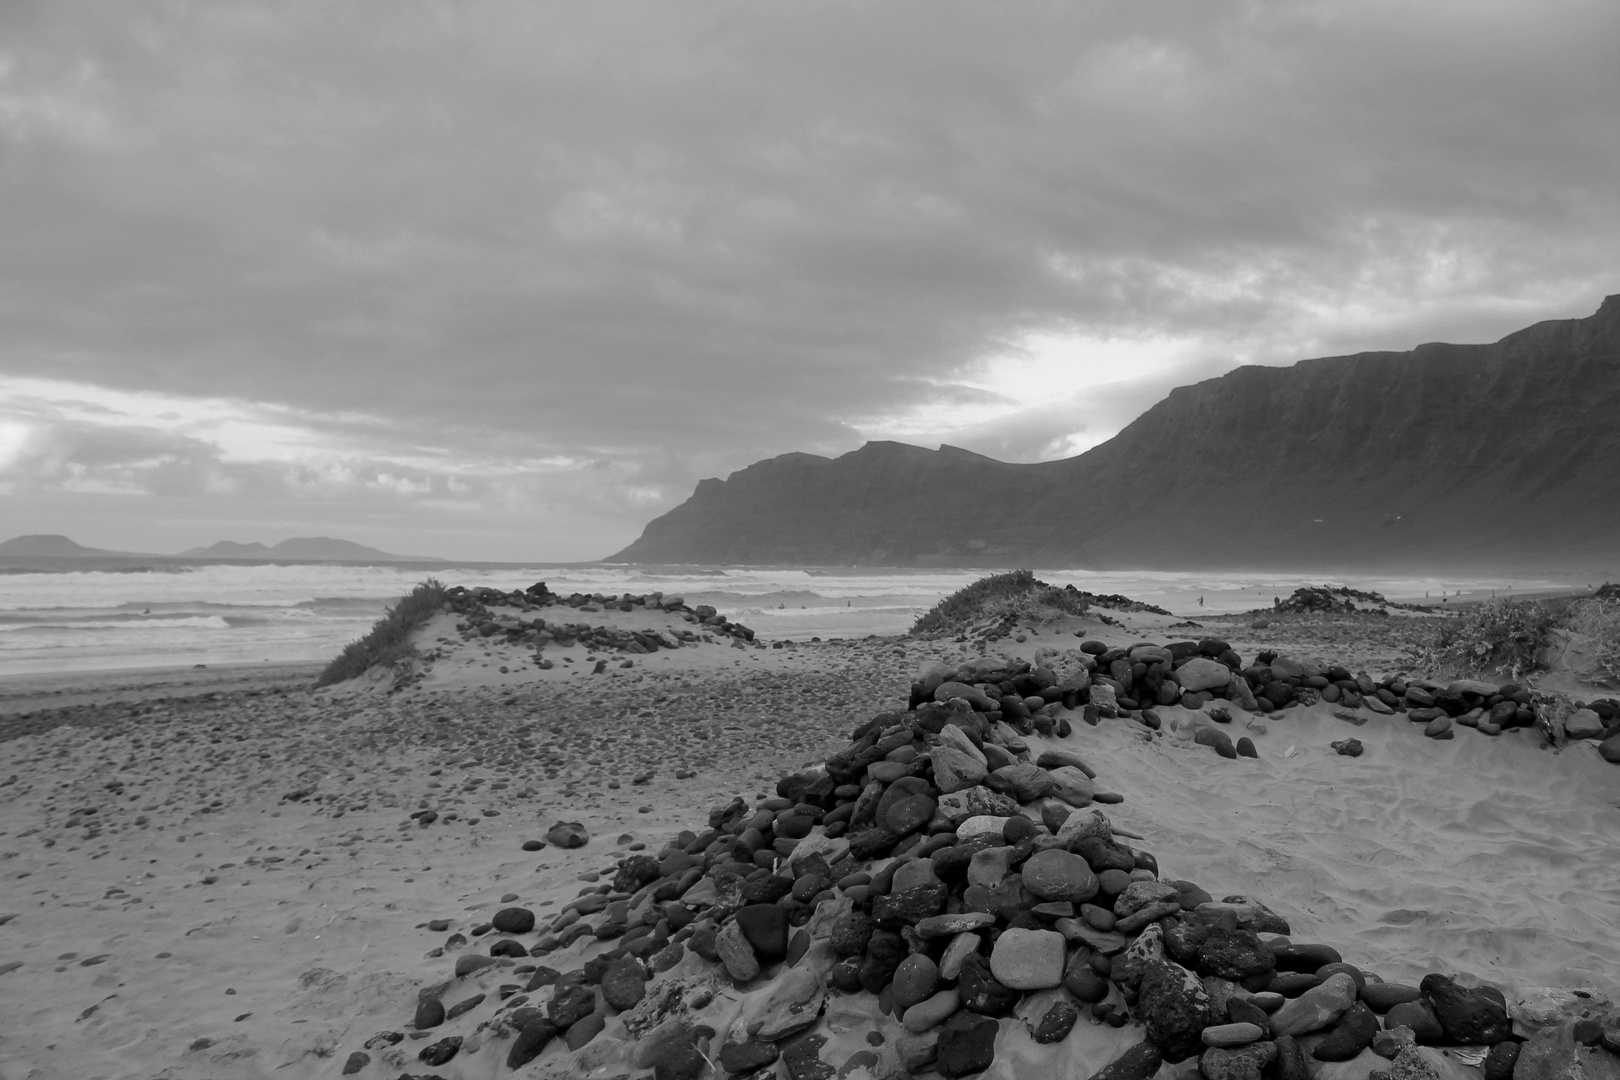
[(50, 546), (308, 548), (302, 548), (227, 549), (1488, 456)]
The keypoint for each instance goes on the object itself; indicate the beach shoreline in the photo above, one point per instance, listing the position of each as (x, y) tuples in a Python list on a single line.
[(21, 693), (236, 879)]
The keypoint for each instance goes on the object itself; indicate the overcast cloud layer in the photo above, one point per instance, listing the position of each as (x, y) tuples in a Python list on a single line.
[(504, 280)]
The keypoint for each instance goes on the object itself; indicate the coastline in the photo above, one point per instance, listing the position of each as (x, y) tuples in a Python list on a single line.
[(26, 692)]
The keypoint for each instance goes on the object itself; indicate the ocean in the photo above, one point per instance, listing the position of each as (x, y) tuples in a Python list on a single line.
[(157, 615)]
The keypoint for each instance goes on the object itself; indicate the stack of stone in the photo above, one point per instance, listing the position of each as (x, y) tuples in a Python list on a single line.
[(1133, 680), (479, 620), (947, 876)]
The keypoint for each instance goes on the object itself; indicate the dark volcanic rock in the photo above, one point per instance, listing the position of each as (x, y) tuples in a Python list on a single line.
[(440, 1052), (570, 1005), (967, 1044), (1467, 1016), (746, 1057), (624, 983), (981, 992), (1233, 954), (1174, 1009), (1353, 1034), (513, 920), (1238, 1062), (1138, 1063), (766, 928), (802, 1058), (1057, 1022), (1420, 1018)]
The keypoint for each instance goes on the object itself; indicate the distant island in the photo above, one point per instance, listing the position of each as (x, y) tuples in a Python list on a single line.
[(1485, 456), (296, 549)]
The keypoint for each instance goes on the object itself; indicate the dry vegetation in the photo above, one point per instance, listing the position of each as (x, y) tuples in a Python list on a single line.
[(1512, 635), (1017, 595), (1599, 619), (390, 639)]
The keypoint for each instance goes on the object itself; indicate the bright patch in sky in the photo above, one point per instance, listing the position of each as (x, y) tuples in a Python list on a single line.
[(1041, 374), (298, 271)]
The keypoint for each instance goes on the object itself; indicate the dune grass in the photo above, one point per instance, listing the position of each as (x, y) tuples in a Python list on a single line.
[(390, 639), (1016, 594), (1498, 635)]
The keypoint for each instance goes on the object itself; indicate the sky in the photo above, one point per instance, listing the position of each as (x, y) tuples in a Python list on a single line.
[(504, 280)]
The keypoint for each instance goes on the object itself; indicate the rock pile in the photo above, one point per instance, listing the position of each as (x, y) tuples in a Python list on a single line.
[(478, 620), (1131, 680), (942, 895), (1338, 600)]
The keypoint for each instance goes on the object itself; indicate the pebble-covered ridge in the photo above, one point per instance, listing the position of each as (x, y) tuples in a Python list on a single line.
[(948, 877), (473, 605)]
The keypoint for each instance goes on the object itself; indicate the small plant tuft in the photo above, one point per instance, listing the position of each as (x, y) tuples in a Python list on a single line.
[(1017, 594), (390, 639)]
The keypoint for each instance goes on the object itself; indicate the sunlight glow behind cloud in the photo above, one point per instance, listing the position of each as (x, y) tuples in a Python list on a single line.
[(508, 279)]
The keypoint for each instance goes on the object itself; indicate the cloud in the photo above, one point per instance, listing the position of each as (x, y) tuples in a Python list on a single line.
[(669, 240)]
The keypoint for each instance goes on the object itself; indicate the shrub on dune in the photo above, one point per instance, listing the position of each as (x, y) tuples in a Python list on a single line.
[(1598, 618), (1498, 635), (390, 639), (1017, 594)]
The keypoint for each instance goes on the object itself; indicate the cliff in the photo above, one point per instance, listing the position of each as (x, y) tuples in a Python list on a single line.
[(1504, 455)]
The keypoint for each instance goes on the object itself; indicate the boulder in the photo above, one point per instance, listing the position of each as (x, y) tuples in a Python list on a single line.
[(1583, 724), (1202, 673), (736, 954), (1237, 1063), (1140, 1062), (567, 834), (1468, 1016), (1174, 1008), (955, 770), (967, 1044), (932, 1011), (1141, 894), (1028, 959), (957, 806), (914, 980), (971, 694), (1026, 782), (1554, 1054), (791, 1005), (981, 991), (1316, 1008), (1072, 786), (1056, 874)]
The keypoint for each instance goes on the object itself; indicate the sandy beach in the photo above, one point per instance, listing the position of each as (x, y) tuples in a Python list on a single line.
[(223, 873)]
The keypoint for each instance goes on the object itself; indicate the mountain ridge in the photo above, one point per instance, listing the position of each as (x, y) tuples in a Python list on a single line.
[(301, 548), (1496, 455)]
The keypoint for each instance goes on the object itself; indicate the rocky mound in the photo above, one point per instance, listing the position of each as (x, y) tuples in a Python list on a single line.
[(943, 894), (1337, 600), (474, 605)]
